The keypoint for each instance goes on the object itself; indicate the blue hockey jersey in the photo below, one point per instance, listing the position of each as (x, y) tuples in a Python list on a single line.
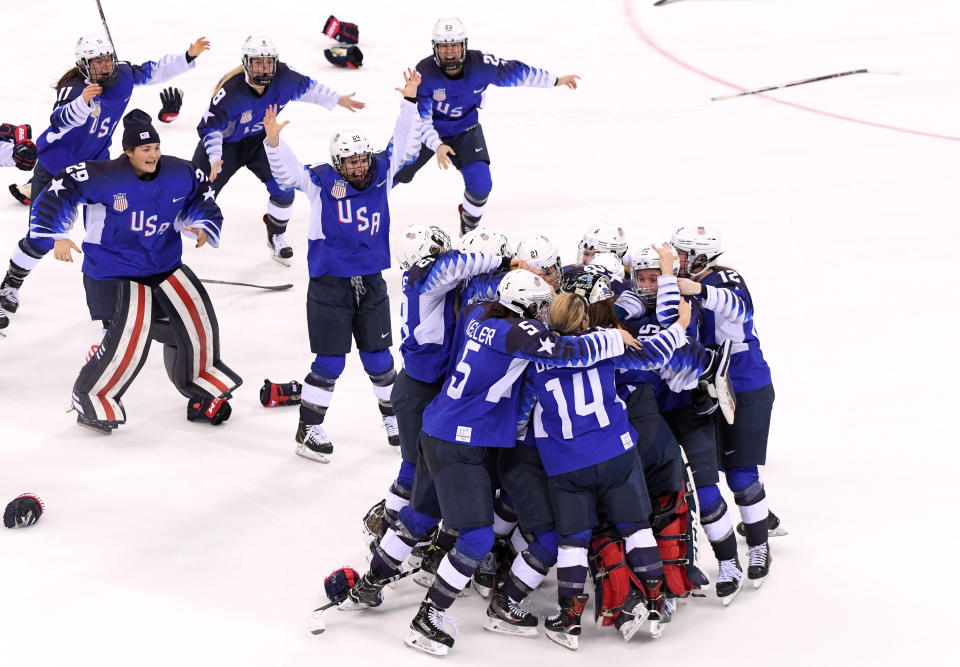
[(349, 228), (80, 132), (728, 315), (427, 310), (132, 226), (236, 111), (448, 105)]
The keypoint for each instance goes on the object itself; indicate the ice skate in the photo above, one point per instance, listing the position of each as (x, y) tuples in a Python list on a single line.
[(729, 580), (758, 566), (427, 631), (774, 529), (564, 628), (367, 593), (314, 443), (282, 251), (505, 615)]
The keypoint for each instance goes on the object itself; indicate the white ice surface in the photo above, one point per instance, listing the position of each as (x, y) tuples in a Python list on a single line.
[(177, 543)]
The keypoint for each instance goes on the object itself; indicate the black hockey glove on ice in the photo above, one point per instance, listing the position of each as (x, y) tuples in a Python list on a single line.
[(172, 100), (343, 32), (22, 511), (350, 57)]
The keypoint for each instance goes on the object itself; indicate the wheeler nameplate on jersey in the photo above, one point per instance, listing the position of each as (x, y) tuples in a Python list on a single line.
[(440, 94), (246, 116), (120, 202), (339, 189)]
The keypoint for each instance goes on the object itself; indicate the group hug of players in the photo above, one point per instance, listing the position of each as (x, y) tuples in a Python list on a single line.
[(536, 431), (530, 419)]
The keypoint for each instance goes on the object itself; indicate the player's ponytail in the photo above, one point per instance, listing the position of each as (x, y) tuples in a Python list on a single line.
[(69, 74)]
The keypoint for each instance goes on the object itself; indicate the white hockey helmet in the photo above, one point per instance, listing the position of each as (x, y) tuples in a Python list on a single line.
[(526, 294), (485, 240), (648, 258), (347, 143), (259, 46), (702, 246), (90, 47), (449, 31), (419, 241), (611, 262), (602, 237), (540, 253)]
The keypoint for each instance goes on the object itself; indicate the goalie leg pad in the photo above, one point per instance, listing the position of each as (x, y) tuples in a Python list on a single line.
[(198, 371), (121, 355), (671, 529), (611, 577)]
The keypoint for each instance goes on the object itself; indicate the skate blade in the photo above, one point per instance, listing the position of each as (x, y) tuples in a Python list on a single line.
[(307, 453), (730, 598), (316, 625), (501, 626), (757, 583), (630, 628), (425, 579), (421, 643), (484, 591), (571, 642), (280, 260), (655, 629), (777, 532), (349, 605)]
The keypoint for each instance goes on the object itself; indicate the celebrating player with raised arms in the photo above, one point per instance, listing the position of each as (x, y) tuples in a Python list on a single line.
[(136, 207), (91, 98), (728, 316), (349, 245), (231, 130), (454, 83)]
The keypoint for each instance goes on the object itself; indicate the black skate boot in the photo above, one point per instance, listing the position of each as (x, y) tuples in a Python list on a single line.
[(758, 566), (564, 628), (505, 615), (9, 295), (729, 580), (773, 526), (429, 563), (633, 614), (661, 608), (314, 443), (484, 579), (427, 631), (365, 594)]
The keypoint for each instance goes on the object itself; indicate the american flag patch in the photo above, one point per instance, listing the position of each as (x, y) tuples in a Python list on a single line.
[(440, 94), (701, 231), (339, 190), (246, 116), (120, 202)]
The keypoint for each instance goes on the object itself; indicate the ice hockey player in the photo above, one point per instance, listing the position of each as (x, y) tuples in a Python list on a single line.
[(136, 207), (728, 316), (91, 98), (231, 130), (432, 271), (541, 255), (349, 245), (472, 417), (454, 83)]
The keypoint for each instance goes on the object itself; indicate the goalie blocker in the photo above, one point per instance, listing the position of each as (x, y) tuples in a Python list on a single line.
[(172, 308)]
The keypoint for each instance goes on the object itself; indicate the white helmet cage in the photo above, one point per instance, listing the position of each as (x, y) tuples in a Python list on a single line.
[(648, 258), (417, 242), (526, 294), (449, 31), (90, 47), (702, 245), (259, 46), (347, 143)]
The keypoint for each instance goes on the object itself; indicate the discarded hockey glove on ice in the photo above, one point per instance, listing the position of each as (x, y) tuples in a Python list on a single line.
[(22, 511), (215, 410), (24, 150), (343, 32), (350, 57), (172, 99), (339, 583), (273, 394)]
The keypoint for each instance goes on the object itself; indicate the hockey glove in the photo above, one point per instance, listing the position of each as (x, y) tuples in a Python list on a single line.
[(21, 192), (350, 57), (24, 151), (22, 511), (171, 98), (273, 394), (339, 583), (343, 32), (216, 410)]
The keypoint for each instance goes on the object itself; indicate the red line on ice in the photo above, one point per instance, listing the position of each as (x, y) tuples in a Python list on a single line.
[(628, 10)]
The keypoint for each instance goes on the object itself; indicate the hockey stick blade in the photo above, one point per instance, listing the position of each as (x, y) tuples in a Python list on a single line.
[(272, 288), (316, 624), (801, 82)]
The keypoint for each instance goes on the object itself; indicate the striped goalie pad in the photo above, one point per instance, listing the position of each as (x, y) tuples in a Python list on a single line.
[(197, 370), (108, 373)]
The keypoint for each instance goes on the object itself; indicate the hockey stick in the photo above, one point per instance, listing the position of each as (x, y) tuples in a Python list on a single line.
[(103, 19), (272, 288), (316, 624), (661, 2), (787, 85)]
